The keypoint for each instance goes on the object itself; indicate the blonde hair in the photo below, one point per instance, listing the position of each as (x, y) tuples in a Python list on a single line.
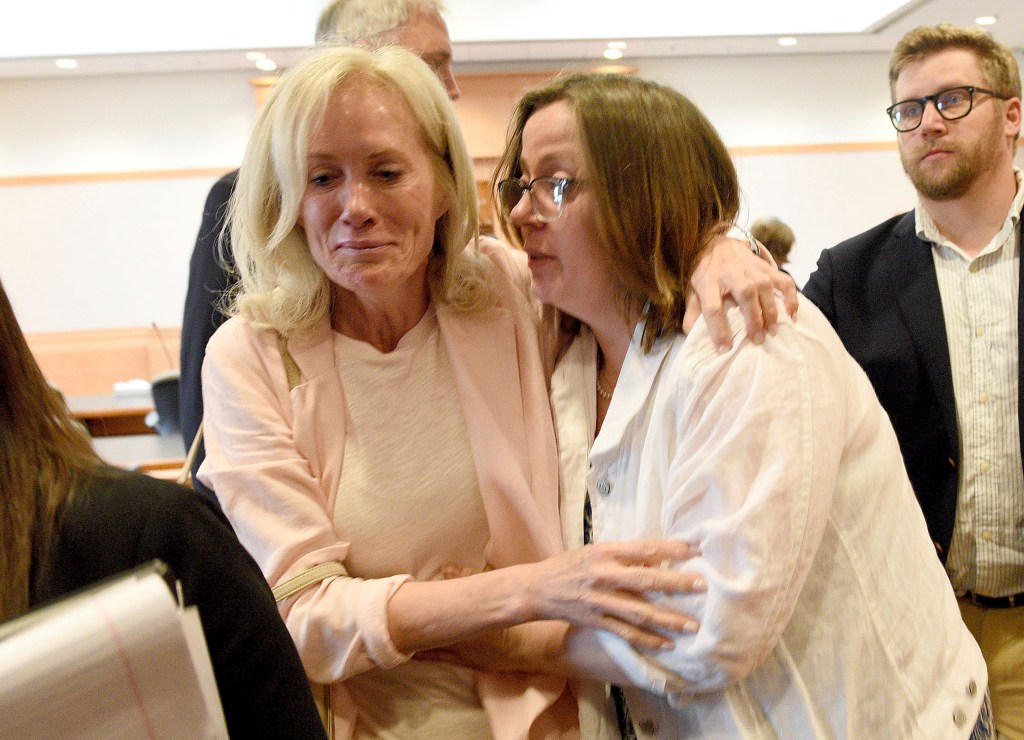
[(280, 284), (996, 61), (662, 181)]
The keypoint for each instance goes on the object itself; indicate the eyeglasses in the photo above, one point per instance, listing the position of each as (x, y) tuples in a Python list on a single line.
[(951, 104), (547, 195)]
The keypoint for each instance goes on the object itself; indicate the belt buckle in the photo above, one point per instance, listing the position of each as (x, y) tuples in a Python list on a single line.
[(995, 602), (978, 601)]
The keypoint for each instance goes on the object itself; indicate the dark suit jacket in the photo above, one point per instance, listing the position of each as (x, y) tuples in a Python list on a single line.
[(880, 292), (122, 520), (208, 278)]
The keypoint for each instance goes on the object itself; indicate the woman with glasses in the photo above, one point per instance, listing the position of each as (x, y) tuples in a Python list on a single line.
[(377, 416), (826, 614)]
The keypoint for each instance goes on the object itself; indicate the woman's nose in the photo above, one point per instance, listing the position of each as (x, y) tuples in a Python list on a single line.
[(355, 202), (522, 212)]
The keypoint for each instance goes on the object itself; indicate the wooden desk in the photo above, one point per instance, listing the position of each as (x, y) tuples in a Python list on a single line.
[(161, 455), (113, 414)]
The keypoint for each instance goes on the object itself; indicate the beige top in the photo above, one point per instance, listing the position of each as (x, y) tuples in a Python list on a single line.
[(274, 452), (409, 502)]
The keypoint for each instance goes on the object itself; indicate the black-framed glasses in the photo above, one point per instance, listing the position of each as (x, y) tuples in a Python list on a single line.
[(547, 196), (952, 104)]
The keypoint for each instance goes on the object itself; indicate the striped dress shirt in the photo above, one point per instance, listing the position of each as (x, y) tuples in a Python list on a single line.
[(979, 305)]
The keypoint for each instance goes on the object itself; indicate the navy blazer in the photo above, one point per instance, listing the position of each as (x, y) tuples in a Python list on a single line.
[(881, 295), (209, 276)]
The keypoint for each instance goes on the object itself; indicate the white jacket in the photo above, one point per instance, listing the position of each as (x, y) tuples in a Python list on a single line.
[(827, 613)]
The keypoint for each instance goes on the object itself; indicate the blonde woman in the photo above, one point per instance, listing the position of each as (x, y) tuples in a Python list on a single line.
[(377, 415)]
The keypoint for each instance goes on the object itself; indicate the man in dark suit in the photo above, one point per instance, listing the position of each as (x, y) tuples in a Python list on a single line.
[(210, 275), (413, 24), (927, 302)]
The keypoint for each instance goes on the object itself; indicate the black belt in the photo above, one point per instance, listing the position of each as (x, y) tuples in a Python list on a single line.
[(995, 602)]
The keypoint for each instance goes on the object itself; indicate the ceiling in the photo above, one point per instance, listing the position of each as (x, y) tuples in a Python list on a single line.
[(129, 37)]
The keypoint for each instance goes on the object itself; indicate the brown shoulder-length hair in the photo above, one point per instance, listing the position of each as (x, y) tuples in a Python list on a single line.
[(44, 457), (662, 181)]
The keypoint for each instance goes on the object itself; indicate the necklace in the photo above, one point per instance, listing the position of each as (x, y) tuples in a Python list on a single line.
[(602, 392)]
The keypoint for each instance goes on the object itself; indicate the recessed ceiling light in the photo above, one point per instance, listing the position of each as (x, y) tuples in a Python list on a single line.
[(254, 56), (613, 54), (985, 20), (787, 41), (66, 63), (616, 44), (267, 65)]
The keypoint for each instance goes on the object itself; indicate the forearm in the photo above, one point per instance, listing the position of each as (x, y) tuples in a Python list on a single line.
[(430, 614), (598, 586)]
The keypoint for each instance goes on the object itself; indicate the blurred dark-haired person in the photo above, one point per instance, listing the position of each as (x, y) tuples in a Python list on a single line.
[(68, 520), (777, 238)]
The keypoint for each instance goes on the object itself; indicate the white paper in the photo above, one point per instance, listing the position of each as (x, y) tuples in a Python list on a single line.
[(114, 662)]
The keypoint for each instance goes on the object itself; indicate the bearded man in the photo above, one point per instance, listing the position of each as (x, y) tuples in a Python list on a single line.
[(927, 302)]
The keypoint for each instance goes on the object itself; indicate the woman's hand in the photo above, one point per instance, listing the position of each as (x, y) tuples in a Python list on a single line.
[(606, 587), (729, 269), (599, 586)]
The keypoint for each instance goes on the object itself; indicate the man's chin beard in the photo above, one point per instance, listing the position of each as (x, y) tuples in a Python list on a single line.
[(949, 186)]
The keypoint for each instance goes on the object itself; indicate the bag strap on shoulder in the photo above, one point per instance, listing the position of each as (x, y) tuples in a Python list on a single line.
[(305, 579)]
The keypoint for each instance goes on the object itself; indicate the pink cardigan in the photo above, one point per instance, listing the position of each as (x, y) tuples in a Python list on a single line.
[(274, 458)]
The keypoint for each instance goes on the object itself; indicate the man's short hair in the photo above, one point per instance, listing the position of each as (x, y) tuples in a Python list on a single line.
[(351, 21), (996, 61)]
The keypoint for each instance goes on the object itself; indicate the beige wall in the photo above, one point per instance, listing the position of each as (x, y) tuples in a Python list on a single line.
[(110, 249)]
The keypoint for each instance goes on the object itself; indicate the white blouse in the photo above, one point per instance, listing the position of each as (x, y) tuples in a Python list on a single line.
[(827, 614)]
